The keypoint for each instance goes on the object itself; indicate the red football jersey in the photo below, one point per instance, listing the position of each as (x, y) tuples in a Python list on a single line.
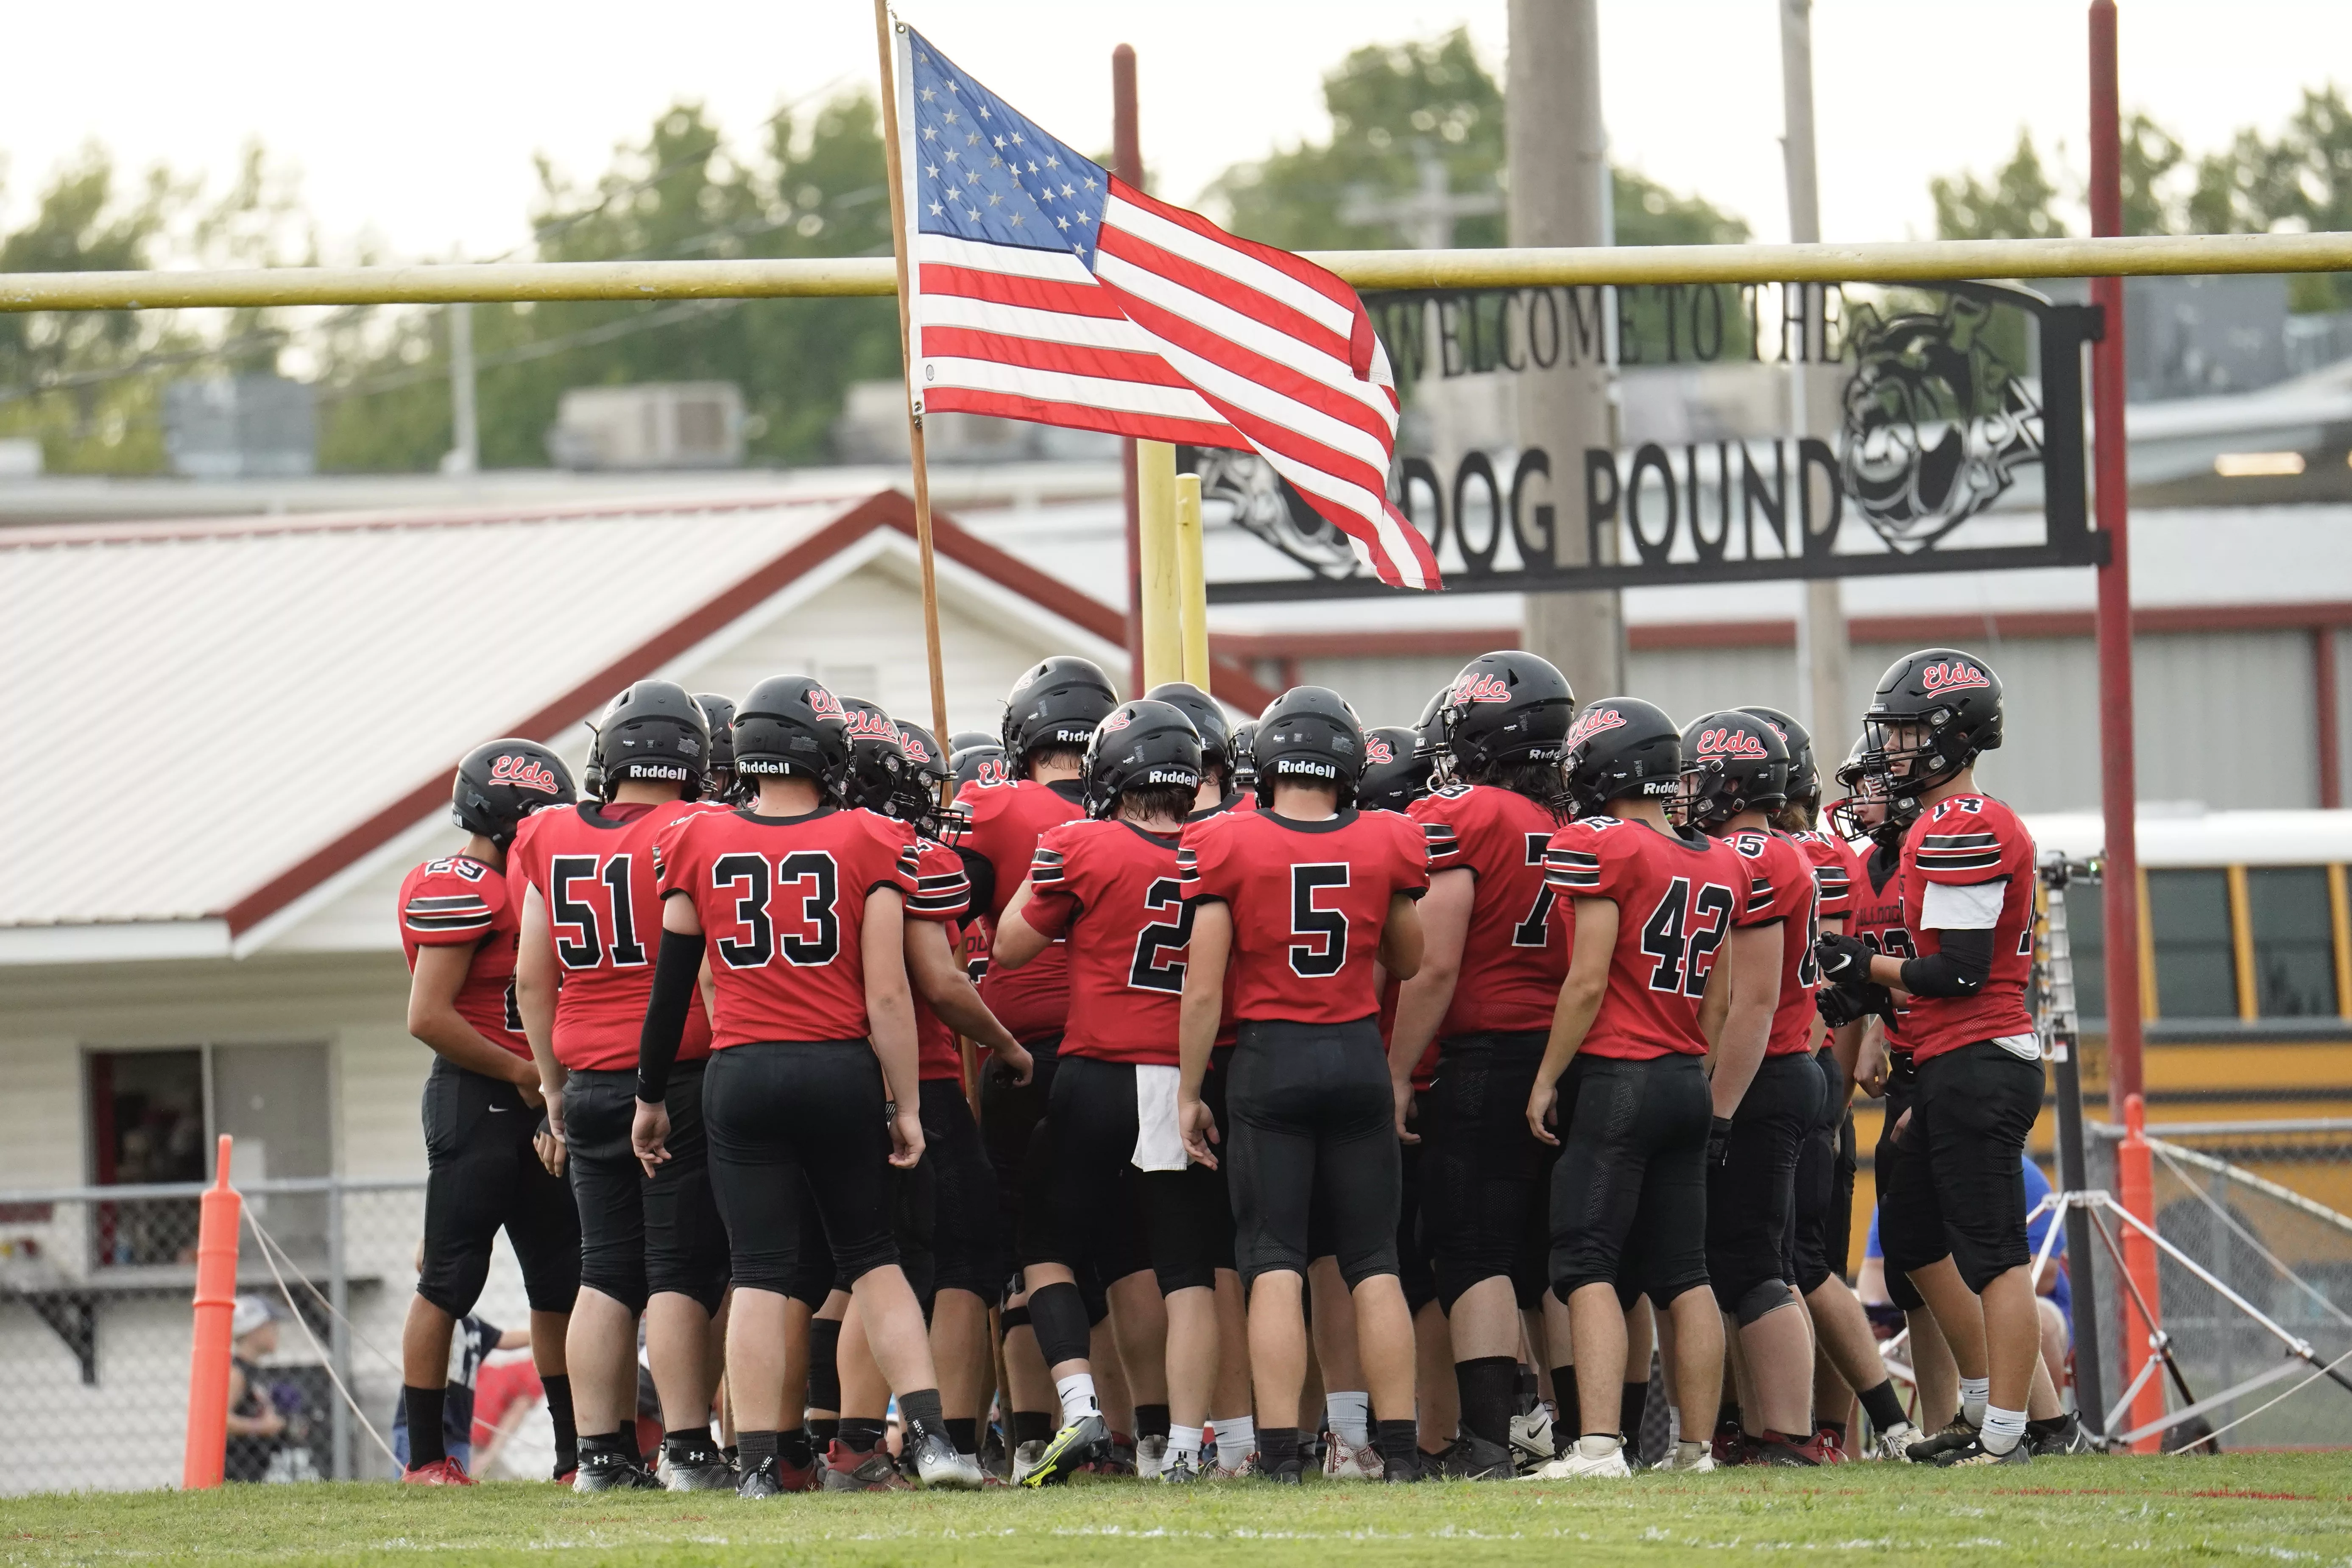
[(1977, 843), (1309, 901), (943, 891), (1878, 921), (1677, 900), (594, 868), (461, 902), (937, 1055), (1109, 892), (782, 902), (1837, 872), (1781, 887), (1515, 953), (1002, 823), (1229, 1028)]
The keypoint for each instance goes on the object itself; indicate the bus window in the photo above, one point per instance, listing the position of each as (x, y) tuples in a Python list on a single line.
[(2295, 945), (2196, 964), (2085, 940)]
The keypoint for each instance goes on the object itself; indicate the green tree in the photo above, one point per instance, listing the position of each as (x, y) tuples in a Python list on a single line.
[(2149, 156), (2302, 180), (2016, 203)]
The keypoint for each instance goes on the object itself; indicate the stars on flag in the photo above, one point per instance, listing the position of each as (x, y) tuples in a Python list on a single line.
[(1016, 172)]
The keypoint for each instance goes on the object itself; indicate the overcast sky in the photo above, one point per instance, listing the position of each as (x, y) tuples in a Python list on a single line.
[(418, 124)]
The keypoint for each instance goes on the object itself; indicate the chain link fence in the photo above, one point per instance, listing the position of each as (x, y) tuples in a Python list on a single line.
[(95, 1324)]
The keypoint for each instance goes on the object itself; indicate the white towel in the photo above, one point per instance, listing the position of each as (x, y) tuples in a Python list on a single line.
[(1159, 1142)]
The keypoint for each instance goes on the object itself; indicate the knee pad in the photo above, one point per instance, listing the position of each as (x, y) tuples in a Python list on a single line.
[(1058, 1314), (1750, 1302), (824, 1368)]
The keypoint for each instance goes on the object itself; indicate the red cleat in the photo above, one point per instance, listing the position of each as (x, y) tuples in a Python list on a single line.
[(439, 1473), (1825, 1448)]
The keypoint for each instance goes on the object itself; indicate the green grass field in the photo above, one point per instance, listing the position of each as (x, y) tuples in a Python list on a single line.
[(2293, 1508)]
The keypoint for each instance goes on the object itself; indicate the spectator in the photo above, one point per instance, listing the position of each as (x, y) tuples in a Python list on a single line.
[(2054, 1297), (513, 1436), (256, 1425), (471, 1343)]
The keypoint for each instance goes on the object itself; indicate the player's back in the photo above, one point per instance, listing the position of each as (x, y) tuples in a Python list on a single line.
[(999, 824), (1112, 888), (1515, 951), (1677, 898), (1783, 886), (458, 900)]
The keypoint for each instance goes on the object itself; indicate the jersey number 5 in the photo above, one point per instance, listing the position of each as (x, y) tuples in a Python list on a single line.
[(565, 910), (1150, 971), (1327, 927), (811, 871)]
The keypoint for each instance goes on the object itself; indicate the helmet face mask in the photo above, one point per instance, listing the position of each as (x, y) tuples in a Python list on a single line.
[(1868, 810), (719, 783), (917, 800), (1733, 762), (878, 768), (1934, 712)]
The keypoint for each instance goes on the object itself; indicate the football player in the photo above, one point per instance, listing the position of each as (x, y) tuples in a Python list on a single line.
[(1107, 887), (718, 784), (1846, 1358), (1735, 775), (1049, 716), (1221, 790), (1493, 959), (1650, 989), (1967, 904), (1300, 905), (459, 928), (650, 1247), (812, 1086)]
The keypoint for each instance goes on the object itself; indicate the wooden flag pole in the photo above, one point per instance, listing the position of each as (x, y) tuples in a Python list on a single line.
[(882, 41)]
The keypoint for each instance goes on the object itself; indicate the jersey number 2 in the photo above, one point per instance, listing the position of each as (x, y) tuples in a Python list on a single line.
[(1151, 971)]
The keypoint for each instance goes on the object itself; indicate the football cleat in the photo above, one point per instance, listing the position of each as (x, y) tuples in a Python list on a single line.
[(938, 1466), (1405, 1471), (1026, 1457), (1781, 1454), (769, 1479), (1289, 1473), (610, 1471), (1974, 1452), (1531, 1436), (1576, 1465), (1895, 1443), (1178, 1470), (1244, 1466), (1150, 1457), (1957, 1434), (2071, 1438), (1119, 1462), (1083, 1441), (1825, 1448), (1345, 1461), (702, 1470), (847, 1471), (1688, 1459), (439, 1473), (1473, 1459)]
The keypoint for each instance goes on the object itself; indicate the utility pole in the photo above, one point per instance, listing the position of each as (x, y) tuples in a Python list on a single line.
[(1426, 217), (1822, 702), (1560, 195), (465, 454)]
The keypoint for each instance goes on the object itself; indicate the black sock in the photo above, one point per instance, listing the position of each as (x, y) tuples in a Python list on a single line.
[(921, 1408), (1631, 1401), (1530, 1391), (2049, 1426), (1151, 1421), (424, 1407), (1276, 1447), (687, 1440), (825, 1431), (757, 1449), (624, 1440), (1398, 1439), (559, 1412), (1727, 1414), (1563, 1398), (793, 1447), (1032, 1426), (859, 1434), (1487, 1386), (963, 1431), (1886, 1411), (825, 1369)]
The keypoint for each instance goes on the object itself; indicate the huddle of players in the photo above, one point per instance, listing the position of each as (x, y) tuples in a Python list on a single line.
[(1502, 1034)]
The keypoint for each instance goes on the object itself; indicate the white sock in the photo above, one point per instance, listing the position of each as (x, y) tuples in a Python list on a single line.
[(1688, 1452), (1599, 1446), (1974, 1393), (1350, 1416), (2002, 1429), (1674, 1424), (1185, 1441), (1078, 1392), (1237, 1439)]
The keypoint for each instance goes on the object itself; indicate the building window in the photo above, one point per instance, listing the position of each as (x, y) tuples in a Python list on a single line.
[(2086, 924), (2294, 944), (2196, 962)]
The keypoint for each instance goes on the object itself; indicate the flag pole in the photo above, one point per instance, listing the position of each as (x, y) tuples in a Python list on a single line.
[(882, 41)]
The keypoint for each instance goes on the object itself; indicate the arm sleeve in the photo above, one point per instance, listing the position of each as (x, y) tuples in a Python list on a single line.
[(1960, 968), (677, 977)]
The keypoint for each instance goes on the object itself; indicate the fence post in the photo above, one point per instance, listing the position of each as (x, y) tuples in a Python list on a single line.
[(339, 1332), (206, 1450), (2135, 1178)]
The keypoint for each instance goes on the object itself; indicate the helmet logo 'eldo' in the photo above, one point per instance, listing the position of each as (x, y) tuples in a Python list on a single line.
[(1730, 743), (1483, 687), (824, 703), (524, 773), (915, 749), (1953, 676), (1117, 722), (1376, 752), (1593, 722), (866, 725)]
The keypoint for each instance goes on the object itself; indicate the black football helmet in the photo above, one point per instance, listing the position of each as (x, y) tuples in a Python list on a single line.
[(1621, 746), (1057, 703), (1504, 706), (1935, 711), (791, 726), (878, 758), (1308, 735), (1732, 762), (501, 781), (1209, 721), (1804, 776), (1244, 752), (1865, 790), (984, 761), (1136, 746), (1396, 771), (654, 729), (964, 738), (919, 790), (1429, 737), (719, 785)]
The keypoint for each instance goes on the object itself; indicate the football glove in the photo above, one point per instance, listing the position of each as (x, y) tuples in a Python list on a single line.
[(1845, 959), (1842, 1005), (1719, 1140)]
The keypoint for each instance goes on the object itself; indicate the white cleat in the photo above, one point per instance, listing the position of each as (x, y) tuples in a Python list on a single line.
[(1344, 1462), (1531, 1438), (1576, 1465), (1243, 1466), (1150, 1457), (1026, 1457), (1687, 1459), (1895, 1443)]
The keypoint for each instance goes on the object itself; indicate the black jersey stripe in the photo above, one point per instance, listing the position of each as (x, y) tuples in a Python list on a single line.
[(482, 922), (445, 905), (1958, 840)]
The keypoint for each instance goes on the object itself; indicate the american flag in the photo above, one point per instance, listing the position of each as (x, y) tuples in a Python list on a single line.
[(1047, 290)]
